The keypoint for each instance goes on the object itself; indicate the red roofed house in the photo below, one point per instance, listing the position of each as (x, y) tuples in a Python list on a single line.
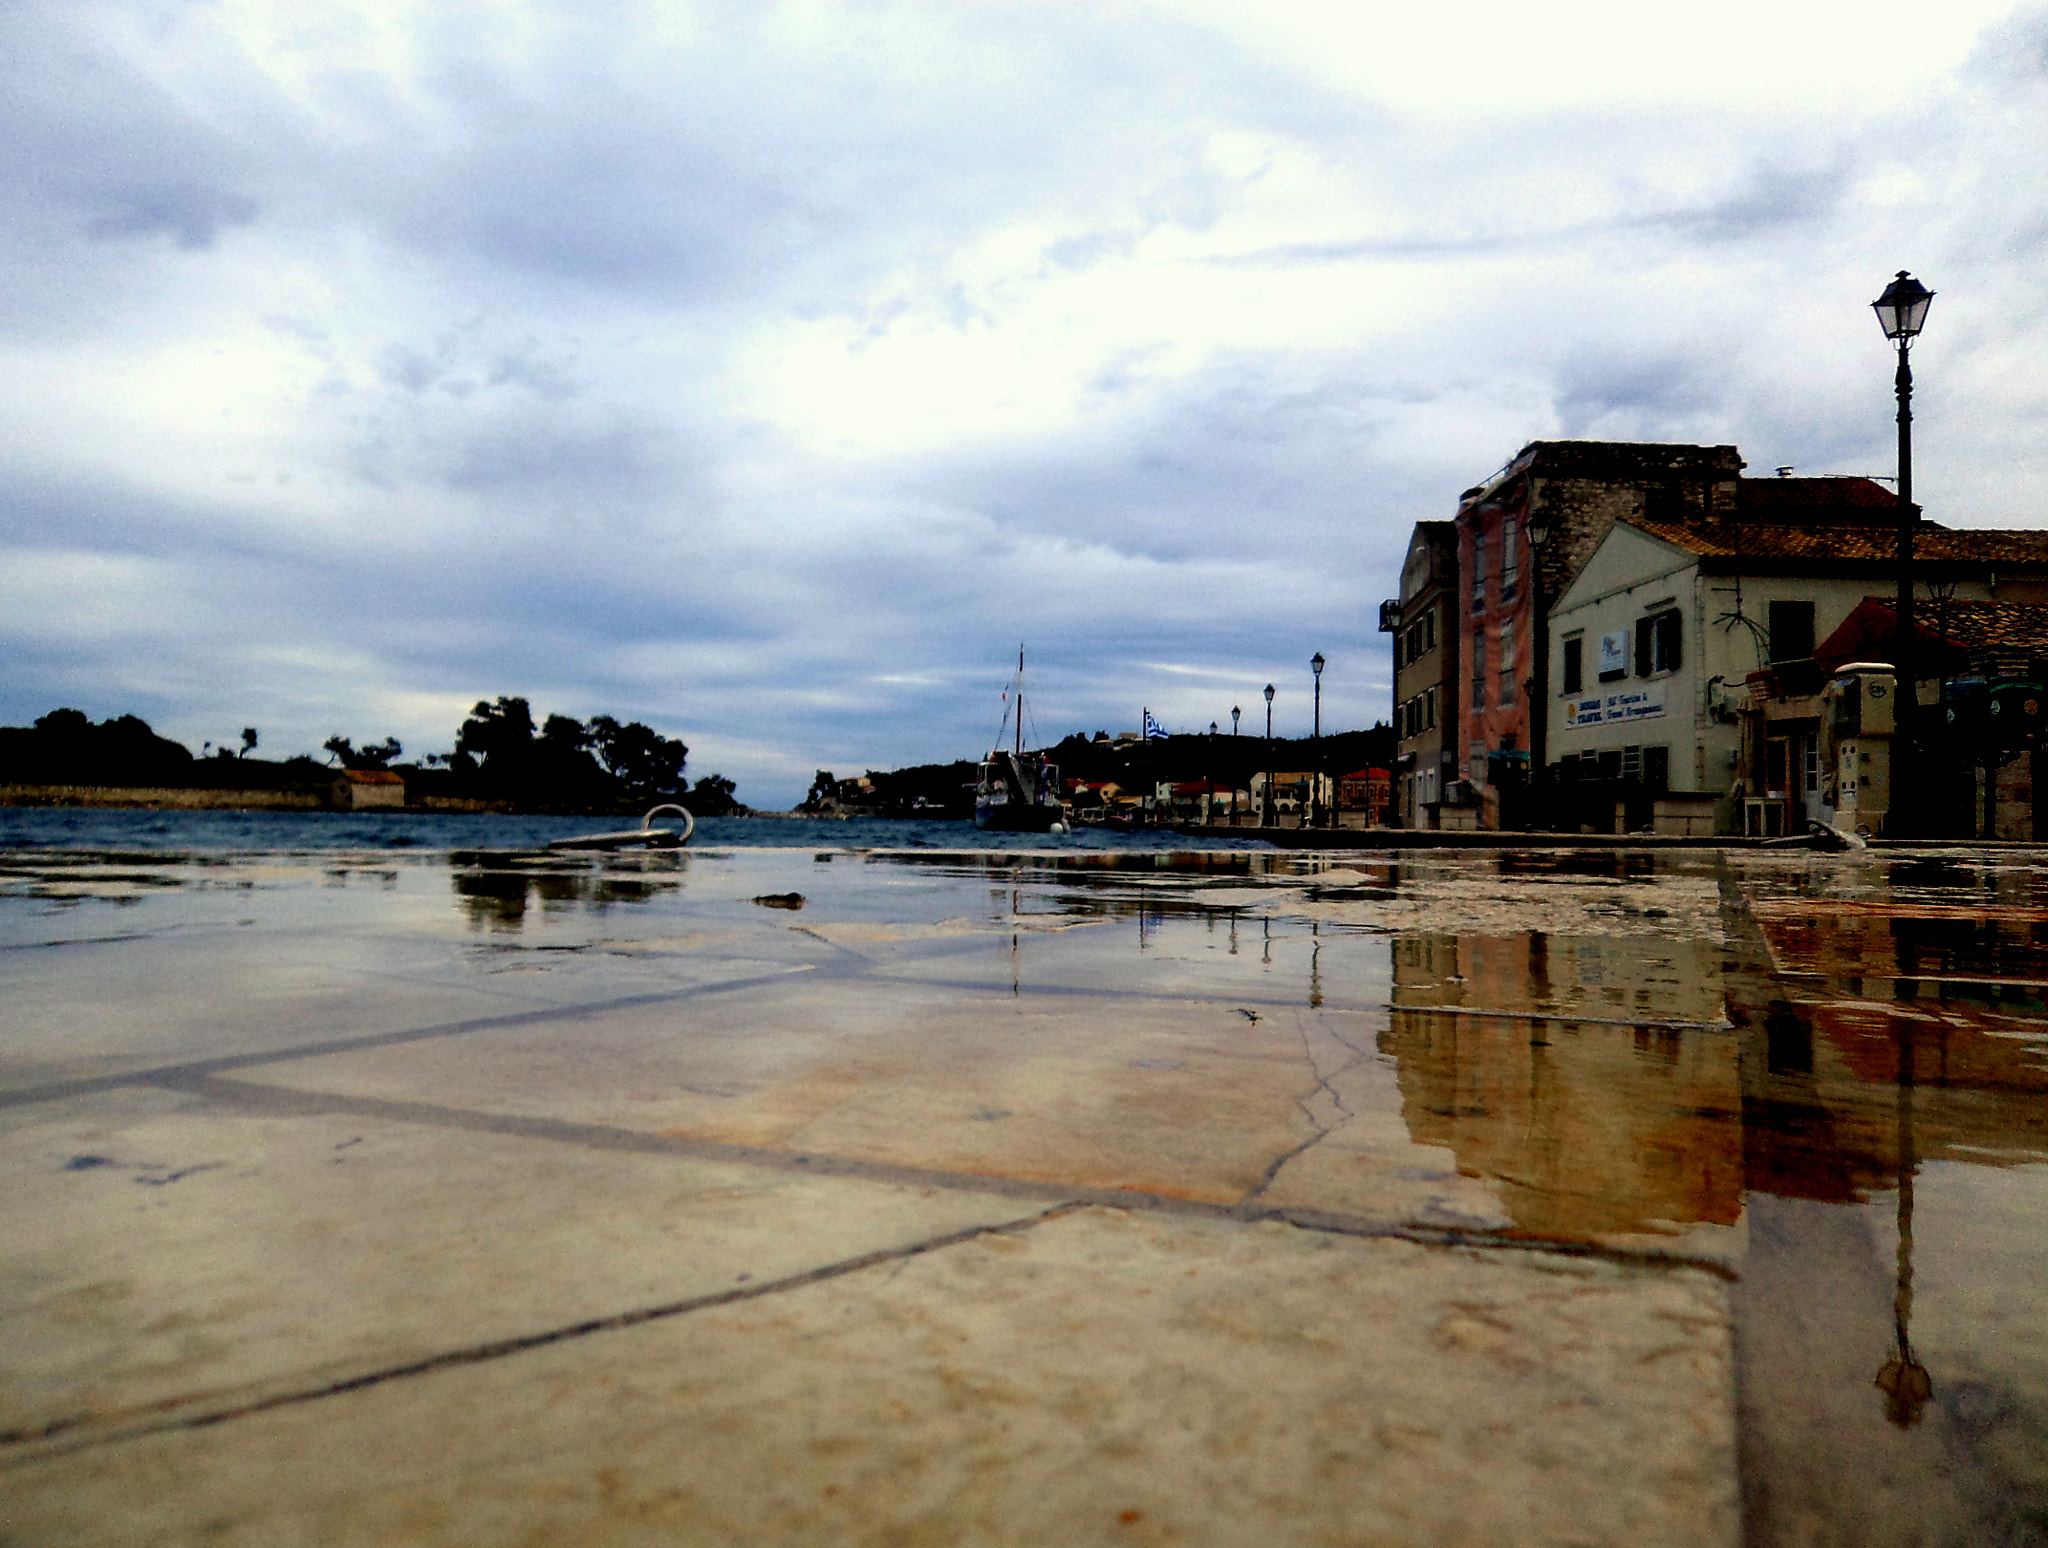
[(356, 789)]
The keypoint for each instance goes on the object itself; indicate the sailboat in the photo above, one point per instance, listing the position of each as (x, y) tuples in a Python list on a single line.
[(1015, 792)]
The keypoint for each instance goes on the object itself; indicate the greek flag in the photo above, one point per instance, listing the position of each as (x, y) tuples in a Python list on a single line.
[(1154, 731)]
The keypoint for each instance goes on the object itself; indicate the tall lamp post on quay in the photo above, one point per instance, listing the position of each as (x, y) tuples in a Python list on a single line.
[(1902, 311), (1266, 821), (1236, 764), (1315, 800)]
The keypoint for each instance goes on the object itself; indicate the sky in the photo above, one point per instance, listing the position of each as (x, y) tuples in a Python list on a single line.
[(769, 372)]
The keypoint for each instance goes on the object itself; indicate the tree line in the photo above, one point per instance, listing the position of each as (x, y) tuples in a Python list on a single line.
[(500, 754)]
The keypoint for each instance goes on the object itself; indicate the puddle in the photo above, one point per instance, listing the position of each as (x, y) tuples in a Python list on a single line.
[(1837, 1092)]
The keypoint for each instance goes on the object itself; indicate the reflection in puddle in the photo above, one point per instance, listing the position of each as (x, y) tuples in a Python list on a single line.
[(1626, 978), (1588, 1130), (496, 893), (1866, 1110)]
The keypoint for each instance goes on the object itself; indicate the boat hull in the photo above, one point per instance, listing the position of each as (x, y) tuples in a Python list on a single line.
[(1009, 817)]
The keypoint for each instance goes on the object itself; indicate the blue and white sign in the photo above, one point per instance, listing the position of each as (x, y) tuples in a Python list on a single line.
[(1614, 654), (1601, 709)]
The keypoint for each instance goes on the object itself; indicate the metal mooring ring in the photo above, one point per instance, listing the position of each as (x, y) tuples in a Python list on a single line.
[(689, 822)]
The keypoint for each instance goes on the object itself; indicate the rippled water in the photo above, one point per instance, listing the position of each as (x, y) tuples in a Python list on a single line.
[(297, 832)]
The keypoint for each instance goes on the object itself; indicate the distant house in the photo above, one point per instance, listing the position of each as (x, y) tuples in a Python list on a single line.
[(1366, 790), (361, 789)]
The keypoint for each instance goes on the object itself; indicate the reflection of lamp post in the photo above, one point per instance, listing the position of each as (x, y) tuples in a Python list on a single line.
[(1267, 821), (1903, 1379), (1902, 310), (1236, 764), (1315, 800)]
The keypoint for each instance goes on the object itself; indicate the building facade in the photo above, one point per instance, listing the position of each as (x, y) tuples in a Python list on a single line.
[(1424, 623), (1686, 653), (1521, 536)]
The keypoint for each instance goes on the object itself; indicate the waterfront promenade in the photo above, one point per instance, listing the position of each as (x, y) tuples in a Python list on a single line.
[(829, 1196)]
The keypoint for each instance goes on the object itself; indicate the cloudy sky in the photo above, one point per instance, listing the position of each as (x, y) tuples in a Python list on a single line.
[(769, 372)]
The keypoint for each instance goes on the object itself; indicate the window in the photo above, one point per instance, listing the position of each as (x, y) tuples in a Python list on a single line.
[(1510, 567), (1657, 768), (1478, 572), (1507, 663), (1657, 642), (1429, 630), (1428, 708), (1574, 665), (1478, 670), (1791, 630)]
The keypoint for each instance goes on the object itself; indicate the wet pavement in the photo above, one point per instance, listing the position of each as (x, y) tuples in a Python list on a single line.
[(859, 1197)]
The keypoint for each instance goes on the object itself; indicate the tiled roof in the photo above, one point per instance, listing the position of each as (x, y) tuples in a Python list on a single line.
[(2019, 626), (1932, 544), (1781, 499)]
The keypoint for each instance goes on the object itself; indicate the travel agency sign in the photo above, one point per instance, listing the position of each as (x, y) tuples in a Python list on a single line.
[(1601, 709)]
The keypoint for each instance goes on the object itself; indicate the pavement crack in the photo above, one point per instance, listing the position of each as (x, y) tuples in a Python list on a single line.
[(1322, 1130), (479, 1353)]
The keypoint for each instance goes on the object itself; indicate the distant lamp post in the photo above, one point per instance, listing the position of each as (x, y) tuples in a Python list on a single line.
[(1902, 312), (1267, 820), (1315, 800), (1236, 764)]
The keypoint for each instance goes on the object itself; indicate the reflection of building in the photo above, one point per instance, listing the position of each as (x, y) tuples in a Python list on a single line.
[(1822, 1076), (1588, 1126)]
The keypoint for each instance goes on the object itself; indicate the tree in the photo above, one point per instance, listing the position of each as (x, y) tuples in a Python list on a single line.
[(498, 737), (712, 796), (372, 755), (248, 741), (645, 762)]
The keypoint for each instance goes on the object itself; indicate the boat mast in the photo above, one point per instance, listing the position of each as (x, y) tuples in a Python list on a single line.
[(1020, 703)]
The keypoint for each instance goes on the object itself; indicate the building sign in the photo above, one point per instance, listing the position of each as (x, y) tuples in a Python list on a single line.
[(1614, 654), (1600, 709)]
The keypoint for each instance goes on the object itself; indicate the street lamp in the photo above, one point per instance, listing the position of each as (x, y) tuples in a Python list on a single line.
[(1901, 312), (1315, 800), (1267, 821), (1236, 764)]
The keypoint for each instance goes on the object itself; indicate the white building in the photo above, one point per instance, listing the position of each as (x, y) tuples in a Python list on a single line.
[(1655, 640)]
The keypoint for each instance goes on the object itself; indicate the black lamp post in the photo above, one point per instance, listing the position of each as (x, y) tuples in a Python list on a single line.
[(1236, 764), (1267, 820), (1315, 800), (1902, 310)]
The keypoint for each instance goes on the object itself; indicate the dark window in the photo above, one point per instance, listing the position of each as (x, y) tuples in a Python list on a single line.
[(1657, 768), (1657, 643), (1574, 665), (1664, 502), (1791, 628)]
